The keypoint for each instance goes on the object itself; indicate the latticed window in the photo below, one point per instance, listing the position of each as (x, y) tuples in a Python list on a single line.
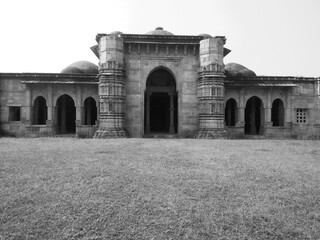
[(301, 115)]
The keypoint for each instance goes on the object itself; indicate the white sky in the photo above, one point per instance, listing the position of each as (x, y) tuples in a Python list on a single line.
[(271, 37)]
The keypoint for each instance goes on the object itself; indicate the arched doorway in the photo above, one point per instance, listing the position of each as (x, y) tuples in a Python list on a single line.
[(277, 113), (161, 105), (66, 114), (40, 111), (231, 112), (90, 111), (254, 116)]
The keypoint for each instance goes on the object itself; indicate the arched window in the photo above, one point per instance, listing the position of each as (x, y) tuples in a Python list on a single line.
[(277, 113), (90, 111), (39, 111), (231, 112)]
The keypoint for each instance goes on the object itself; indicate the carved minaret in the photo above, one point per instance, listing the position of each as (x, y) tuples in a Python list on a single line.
[(112, 89), (211, 89)]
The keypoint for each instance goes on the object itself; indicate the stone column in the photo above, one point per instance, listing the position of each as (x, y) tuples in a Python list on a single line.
[(211, 89), (171, 129), (28, 106), (287, 109), (78, 105), (268, 107), (148, 95), (49, 106), (111, 77), (241, 109)]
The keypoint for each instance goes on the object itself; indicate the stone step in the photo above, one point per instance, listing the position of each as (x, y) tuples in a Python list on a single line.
[(65, 135), (254, 137), (163, 135)]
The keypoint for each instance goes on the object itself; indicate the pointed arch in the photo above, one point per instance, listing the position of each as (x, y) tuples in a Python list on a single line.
[(277, 113), (66, 114), (161, 105), (231, 112), (254, 116), (39, 111), (90, 111)]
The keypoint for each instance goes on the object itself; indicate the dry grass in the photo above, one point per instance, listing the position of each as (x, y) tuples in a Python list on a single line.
[(159, 189)]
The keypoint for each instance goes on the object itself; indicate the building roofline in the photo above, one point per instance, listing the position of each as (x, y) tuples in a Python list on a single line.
[(48, 75), (159, 38)]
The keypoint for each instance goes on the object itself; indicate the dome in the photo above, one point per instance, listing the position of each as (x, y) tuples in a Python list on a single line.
[(159, 31), (235, 70), (81, 67), (205, 35), (117, 33)]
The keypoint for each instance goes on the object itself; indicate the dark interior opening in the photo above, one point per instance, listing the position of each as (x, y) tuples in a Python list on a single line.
[(277, 113), (161, 102), (90, 111), (253, 116), (159, 112), (230, 112), (66, 114), (40, 111)]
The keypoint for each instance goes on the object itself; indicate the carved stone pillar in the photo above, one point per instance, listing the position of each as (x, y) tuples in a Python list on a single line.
[(112, 88), (211, 89)]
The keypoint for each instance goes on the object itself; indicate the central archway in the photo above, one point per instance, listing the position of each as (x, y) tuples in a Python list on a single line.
[(254, 116), (66, 114), (161, 105)]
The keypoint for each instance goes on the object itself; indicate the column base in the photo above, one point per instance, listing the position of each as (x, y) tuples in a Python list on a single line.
[(111, 133), (215, 133)]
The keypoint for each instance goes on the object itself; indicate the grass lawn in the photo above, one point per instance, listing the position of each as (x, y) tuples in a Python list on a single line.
[(152, 189)]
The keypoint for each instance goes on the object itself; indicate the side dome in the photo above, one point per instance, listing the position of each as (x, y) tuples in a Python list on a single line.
[(81, 67), (117, 33), (159, 31), (205, 35), (235, 70)]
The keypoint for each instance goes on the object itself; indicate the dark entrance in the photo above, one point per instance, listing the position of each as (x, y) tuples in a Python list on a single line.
[(254, 116), (39, 111), (277, 113), (161, 103), (90, 111), (66, 115), (230, 112)]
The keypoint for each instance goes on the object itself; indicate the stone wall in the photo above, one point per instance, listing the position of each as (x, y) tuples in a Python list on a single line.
[(14, 93)]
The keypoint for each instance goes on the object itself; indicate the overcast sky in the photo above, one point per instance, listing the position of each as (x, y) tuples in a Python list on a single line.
[(271, 37)]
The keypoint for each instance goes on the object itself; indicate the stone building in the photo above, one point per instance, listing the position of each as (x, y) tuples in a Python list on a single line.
[(155, 85)]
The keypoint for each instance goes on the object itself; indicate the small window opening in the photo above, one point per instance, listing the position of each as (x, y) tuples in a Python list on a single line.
[(14, 114)]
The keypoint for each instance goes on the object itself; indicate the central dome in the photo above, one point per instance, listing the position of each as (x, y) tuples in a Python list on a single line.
[(160, 31), (81, 67)]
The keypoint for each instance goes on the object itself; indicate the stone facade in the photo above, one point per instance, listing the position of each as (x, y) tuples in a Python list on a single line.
[(155, 85)]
